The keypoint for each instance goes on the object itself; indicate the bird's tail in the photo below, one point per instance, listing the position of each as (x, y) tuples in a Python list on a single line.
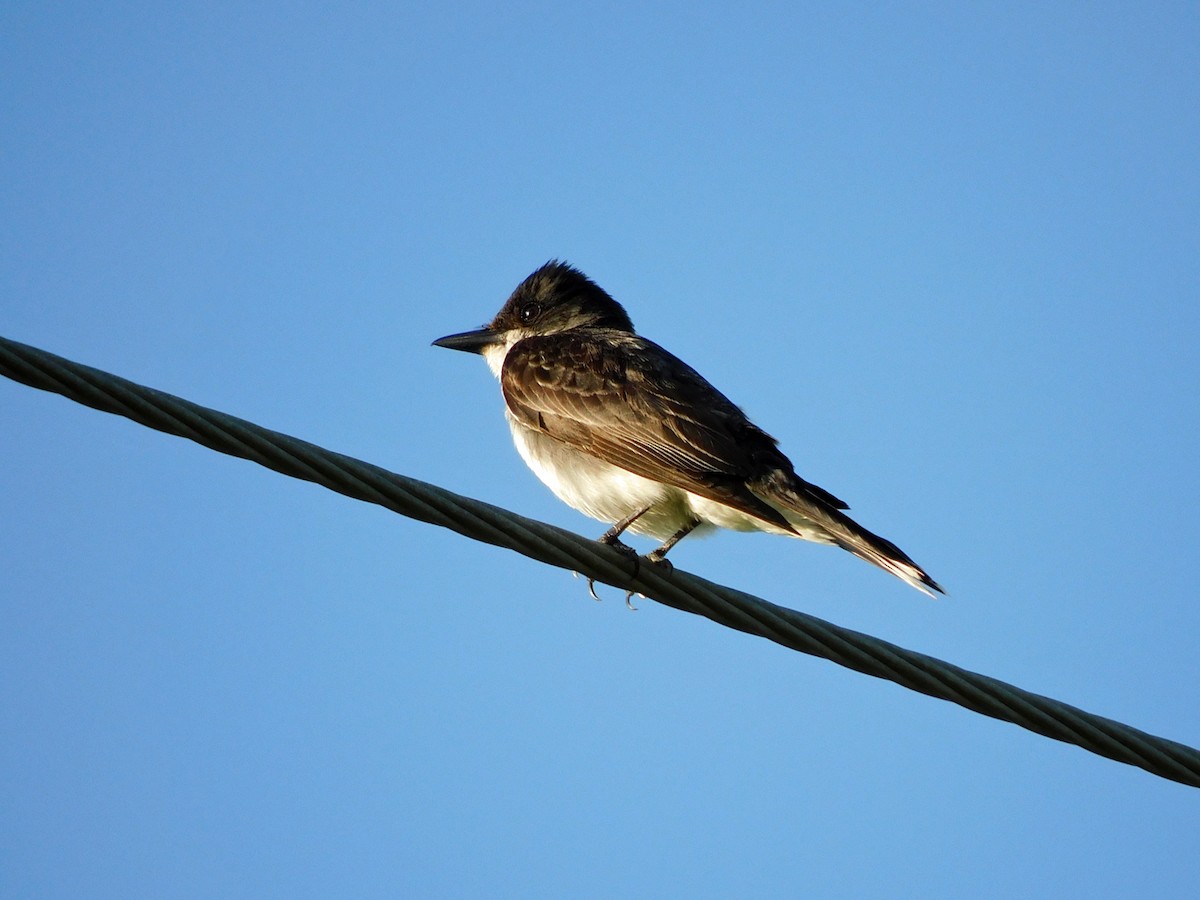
[(815, 518), (883, 553)]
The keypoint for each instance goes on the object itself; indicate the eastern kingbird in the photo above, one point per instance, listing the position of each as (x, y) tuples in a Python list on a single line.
[(628, 434)]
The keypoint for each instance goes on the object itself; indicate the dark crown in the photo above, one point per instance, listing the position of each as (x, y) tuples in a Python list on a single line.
[(558, 297)]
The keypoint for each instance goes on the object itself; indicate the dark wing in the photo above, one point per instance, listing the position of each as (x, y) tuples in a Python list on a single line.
[(627, 401)]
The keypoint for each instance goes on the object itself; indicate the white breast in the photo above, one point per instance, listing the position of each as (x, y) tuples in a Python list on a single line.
[(599, 489)]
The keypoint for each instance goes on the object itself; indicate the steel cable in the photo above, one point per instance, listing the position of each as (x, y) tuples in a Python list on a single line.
[(555, 546)]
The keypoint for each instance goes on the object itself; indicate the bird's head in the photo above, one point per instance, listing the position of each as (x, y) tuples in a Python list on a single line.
[(555, 298)]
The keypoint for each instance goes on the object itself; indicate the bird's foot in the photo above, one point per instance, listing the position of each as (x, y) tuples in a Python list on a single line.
[(664, 565), (613, 540), (626, 551)]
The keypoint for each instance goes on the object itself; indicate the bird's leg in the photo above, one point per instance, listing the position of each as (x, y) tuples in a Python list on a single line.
[(612, 537), (660, 555)]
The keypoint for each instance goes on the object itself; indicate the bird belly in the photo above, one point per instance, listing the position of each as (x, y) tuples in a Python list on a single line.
[(724, 516), (600, 489)]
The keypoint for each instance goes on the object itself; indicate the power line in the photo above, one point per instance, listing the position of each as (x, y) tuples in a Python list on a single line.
[(555, 546)]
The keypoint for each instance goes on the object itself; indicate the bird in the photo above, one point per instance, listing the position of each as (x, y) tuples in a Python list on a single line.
[(627, 433)]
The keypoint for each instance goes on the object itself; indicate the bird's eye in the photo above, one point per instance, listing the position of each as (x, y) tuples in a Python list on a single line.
[(529, 312)]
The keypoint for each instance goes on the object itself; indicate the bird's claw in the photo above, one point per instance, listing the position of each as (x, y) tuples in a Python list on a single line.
[(628, 595)]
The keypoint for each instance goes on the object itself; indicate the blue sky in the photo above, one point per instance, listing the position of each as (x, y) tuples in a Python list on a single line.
[(949, 254)]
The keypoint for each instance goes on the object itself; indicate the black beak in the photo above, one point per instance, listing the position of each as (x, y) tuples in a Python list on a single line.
[(470, 341)]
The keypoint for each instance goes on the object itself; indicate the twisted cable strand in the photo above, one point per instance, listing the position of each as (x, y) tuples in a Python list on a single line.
[(555, 546)]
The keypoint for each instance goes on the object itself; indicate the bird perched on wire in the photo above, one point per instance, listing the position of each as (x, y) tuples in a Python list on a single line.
[(627, 433)]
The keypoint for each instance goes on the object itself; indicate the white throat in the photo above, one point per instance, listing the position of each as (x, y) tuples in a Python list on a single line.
[(495, 353)]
